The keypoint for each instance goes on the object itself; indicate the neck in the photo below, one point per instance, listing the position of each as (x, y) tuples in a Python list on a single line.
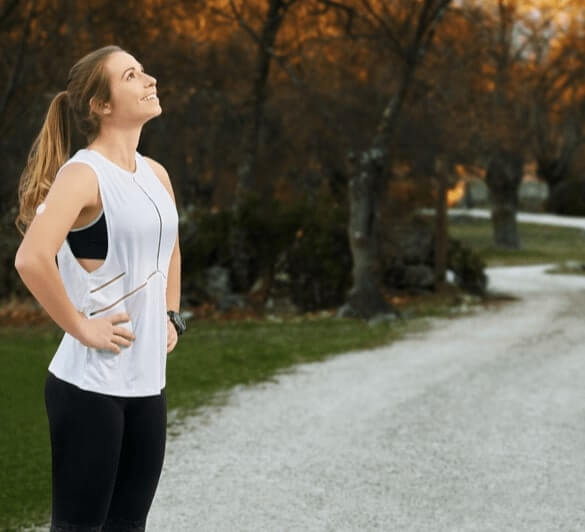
[(117, 145)]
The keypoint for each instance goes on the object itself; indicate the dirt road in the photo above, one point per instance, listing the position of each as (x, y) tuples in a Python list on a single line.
[(476, 425)]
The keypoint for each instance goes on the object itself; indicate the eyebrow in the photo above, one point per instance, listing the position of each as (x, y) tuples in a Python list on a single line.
[(130, 68)]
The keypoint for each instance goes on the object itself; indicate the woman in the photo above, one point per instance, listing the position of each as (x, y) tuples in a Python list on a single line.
[(108, 215)]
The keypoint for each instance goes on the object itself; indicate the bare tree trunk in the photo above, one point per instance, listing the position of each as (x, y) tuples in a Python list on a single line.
[(504, 170), (365, 298), (503, 178), (240, 243), (441, 230)]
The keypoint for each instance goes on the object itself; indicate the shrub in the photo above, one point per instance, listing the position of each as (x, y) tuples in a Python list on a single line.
[(409, 245), (319, 262), (568, 198), (204, 238), (301, 250), (468, 267)]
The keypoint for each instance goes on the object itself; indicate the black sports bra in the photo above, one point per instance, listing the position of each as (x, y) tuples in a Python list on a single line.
[(90, 241)]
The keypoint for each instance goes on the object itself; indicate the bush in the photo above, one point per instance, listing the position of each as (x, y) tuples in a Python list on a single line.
[(271, 227), (408, 258), (568, 198), (319, 262), (468, 267), (204, 239), (301, 250)]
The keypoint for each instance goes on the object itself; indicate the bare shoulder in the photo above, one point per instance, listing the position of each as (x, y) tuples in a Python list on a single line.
[(162, 174), (78, 180), (74, 188), (77, 172)]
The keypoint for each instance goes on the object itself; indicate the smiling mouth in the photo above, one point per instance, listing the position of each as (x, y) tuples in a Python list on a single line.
[(150, 97)]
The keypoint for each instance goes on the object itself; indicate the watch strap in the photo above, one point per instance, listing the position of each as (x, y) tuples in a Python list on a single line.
[(177, 321)]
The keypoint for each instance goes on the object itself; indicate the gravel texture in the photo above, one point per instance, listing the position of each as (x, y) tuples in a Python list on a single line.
[(476, 425)]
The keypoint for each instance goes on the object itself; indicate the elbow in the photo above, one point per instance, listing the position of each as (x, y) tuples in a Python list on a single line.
[(26, 262), (20, 261)]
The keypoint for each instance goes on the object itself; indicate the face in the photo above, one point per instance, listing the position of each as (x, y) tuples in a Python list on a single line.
[(133, 92)]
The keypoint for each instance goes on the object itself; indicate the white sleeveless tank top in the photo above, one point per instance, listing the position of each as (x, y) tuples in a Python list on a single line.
[(142, 227)]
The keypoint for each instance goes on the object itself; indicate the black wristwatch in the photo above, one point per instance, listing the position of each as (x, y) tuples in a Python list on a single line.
[(177, 321)]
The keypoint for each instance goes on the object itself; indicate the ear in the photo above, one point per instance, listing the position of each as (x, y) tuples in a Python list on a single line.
[(99, 108)]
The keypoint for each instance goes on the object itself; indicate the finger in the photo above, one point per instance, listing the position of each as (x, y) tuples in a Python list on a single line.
[(173, 340), (122, 331), (121, 341), (113, 347), (121, 316), (171, 346)]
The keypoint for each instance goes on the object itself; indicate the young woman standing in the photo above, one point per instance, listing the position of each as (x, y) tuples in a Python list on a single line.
[(108, 215)]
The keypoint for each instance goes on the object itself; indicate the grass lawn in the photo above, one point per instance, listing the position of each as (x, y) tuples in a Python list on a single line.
[(539, 243), (211, 357)]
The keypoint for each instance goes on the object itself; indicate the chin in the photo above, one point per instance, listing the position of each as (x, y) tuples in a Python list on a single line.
[(152, 115)]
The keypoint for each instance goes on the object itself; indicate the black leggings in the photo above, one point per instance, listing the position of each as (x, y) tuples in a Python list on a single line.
[(107, 455)]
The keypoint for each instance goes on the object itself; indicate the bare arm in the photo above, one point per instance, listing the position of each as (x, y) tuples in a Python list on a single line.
[(73, 189), (174, 279)]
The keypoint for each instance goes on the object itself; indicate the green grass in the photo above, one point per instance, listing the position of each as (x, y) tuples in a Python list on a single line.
[(211, 358), (25, 460), (539, 243)]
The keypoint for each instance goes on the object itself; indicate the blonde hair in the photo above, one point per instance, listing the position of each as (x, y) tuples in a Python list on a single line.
[(68, 110)]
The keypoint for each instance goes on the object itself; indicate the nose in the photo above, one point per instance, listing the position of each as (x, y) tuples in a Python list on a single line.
[(150, 80)]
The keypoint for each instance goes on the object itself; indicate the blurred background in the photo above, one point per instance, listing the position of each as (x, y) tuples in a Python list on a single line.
[(303, 137), (319, 152)]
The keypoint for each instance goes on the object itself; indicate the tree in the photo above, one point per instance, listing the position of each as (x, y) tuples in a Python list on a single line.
[(557, 97), (406, 28), (510, 36), (264, 40)]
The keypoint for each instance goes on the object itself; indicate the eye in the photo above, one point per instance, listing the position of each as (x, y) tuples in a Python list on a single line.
[(131, 75)]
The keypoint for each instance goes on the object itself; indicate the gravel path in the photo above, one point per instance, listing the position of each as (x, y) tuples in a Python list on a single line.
[(475, 425)]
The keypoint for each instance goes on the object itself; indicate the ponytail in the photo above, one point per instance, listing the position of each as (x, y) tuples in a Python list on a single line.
[(48, 153)]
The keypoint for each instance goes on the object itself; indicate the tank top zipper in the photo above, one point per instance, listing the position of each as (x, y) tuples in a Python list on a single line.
[(159, 220)]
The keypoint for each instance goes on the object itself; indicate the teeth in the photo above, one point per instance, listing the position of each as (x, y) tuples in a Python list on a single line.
[(151, 97)]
